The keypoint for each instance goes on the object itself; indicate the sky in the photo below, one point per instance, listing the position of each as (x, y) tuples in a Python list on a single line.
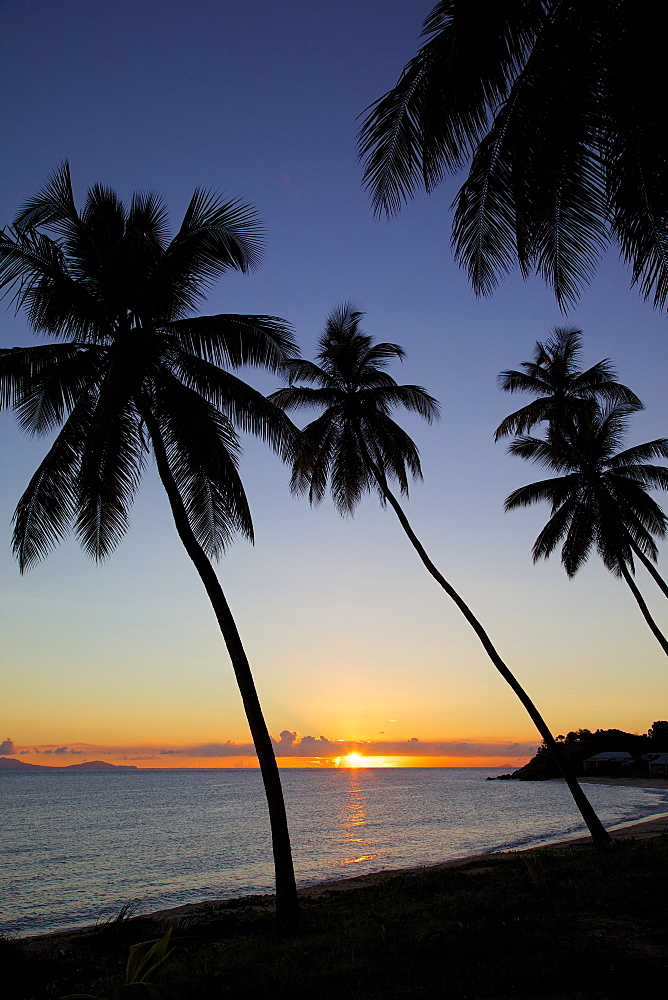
[(353, 646)]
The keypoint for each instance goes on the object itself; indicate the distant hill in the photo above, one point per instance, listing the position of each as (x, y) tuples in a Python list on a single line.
[(11, 764)]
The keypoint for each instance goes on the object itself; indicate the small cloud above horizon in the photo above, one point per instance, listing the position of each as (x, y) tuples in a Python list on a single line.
[(290, 744)]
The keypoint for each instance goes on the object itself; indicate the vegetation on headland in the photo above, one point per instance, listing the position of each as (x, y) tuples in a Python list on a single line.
[(565, 922), (581, 744)]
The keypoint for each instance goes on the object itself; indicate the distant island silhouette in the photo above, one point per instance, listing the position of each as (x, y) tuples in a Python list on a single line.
[(9, 764)]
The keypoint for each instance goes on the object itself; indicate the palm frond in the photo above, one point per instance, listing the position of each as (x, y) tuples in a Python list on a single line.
[(439, 109), (52, 207), (202, 450), (536, 450), (148, 218), (582, 533), (649, 476), (112, 463), (555, 491), (35, 267), (43, 383), (300, 370), (304, 397), (554, 531), (215, 236), (524, 419), (555, 104), (379, 355), (637, 171), (640, 453), (245, 407), (46, 510), (312, 463), (235, 340), (350, 478), (413, 398)]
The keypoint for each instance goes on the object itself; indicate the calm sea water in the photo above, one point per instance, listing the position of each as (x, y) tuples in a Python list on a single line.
[(76, 846)]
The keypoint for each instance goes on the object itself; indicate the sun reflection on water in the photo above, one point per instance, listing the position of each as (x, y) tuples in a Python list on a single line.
[(355, 821)]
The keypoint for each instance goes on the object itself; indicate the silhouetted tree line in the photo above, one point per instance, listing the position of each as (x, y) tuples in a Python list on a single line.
[(580, 744)]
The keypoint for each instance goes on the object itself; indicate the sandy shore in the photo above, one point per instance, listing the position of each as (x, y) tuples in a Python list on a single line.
[(626, 782), (651, 826)]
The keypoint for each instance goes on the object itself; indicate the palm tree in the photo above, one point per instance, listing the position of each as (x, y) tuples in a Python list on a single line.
[(137, 374), (563, 389), (601, 499), (354, 447), (554, 105), (565, 393)]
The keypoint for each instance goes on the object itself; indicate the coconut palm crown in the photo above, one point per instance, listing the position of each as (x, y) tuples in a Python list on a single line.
[(562, 389), (355, 436), (133, 375), (602, 499), (554, 107), (599, 498), (112, 286)]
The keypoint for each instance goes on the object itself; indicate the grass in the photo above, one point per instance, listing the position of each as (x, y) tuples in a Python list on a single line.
[(559, 924)]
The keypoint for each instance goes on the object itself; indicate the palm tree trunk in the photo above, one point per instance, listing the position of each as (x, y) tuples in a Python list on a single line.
[(651, 568), (287, 904), (600, 836), (663, 642)]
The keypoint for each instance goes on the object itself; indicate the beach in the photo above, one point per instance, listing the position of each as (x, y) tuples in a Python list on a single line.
[(206, 910), (642, 829), (557, 921)]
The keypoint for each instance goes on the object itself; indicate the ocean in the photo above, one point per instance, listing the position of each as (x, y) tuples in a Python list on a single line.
[(78, 845)]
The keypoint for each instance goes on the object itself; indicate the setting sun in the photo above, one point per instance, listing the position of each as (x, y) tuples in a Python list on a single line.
[(354, 759)]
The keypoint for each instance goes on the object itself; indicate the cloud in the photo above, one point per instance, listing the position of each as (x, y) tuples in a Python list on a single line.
[(415, 748), (291, 744), (7, 746), (312, 746)]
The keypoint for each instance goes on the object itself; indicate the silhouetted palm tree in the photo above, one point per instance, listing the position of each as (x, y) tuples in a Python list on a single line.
[(601, 499), (555, 106), (556, 378), (138, 374), (355, 446), (565, 394)]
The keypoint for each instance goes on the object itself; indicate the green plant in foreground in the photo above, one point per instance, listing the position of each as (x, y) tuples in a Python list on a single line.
[(144, 959)]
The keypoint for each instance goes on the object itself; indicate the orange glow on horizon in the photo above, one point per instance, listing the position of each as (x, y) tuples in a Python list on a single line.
[(352, 760)]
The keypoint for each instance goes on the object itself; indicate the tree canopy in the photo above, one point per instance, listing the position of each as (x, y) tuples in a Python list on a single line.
[(555, 107)]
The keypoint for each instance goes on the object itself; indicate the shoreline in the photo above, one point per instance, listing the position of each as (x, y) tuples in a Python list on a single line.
[(647, 827)]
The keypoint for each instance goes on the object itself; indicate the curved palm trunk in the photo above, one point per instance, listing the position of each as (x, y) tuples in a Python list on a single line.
[(287, 904), (663, 642), (651, 568), (599, 834)]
